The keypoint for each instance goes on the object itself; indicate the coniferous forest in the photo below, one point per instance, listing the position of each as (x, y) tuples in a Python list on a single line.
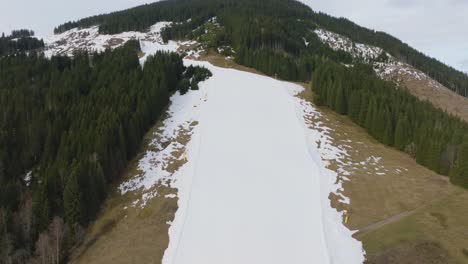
[(68, 126), (19, 41), (275, 25), (435, 139), (67, 129), (275, 37)]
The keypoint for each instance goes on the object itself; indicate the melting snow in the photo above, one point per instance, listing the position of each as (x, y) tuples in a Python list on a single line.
[(357, 50), (91, 40), (255, 187), (183, 111), (387, 70), (28, 178)]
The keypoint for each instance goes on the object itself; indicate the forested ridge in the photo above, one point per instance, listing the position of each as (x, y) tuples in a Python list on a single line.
[(396, 118), (69, 125), (291, 21), (19, 41), (276, 38), (67, 129)]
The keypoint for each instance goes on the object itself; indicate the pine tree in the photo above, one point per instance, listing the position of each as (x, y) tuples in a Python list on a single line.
[(388, 131), (72, 201), (459, 174), (41, 208), (401, 135), (340, 102), (371, 115), (354, 106)]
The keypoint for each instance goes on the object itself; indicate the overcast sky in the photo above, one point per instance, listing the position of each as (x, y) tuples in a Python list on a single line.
[(438, 28)]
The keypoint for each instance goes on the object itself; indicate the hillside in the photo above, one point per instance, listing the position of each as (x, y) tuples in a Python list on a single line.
[(127, 138), (141, 18), (19, 41), (406, 76)]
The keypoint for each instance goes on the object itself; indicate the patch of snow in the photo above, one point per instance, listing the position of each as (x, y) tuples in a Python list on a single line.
[(91, 40), (386, 70), (146, 197), (343, 199), (337, 42), (28, 178), (183, 110)]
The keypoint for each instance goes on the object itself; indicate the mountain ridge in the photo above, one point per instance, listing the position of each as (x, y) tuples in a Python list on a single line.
[(54, 177), (140, 19)]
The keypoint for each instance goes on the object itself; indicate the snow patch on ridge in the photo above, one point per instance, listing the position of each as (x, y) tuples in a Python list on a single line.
[(90, 40), (357, 50), (392, 69), (398, 71)]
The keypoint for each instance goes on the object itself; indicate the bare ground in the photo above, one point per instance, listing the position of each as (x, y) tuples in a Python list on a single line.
[(429, 90), (127, 233), (403, 212)]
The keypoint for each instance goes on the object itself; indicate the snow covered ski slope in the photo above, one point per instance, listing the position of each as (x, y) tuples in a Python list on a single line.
[(255, 188)]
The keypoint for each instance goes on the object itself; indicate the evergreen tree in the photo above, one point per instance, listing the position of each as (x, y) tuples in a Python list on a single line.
[(459, 174), (340, 101), (72, 201), (401, 130)]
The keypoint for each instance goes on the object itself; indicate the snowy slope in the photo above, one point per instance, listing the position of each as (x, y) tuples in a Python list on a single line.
[(255, 188), (89, 39), (357, 50), (392, 69)]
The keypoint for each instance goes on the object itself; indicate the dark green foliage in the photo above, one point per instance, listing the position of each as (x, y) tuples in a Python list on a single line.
[(75, 122), (19, 41), (394, 117), (184, 86), (196, 75), (192, 76), (279, 26), (448, 76), (21, 33), (459, 174), (72, 200), (269, 35)]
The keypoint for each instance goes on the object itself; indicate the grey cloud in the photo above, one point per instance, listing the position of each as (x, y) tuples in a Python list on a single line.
[(463, 65), (403, 3)]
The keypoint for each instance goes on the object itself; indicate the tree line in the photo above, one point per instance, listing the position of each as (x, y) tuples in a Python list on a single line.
[(276, 38), (71, 125), (395, 118), (19, 41), (22, 33), (282, 14), (453, 79)]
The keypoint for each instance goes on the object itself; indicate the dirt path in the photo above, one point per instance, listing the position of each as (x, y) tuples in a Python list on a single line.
[(394, 218), (386, 221)]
